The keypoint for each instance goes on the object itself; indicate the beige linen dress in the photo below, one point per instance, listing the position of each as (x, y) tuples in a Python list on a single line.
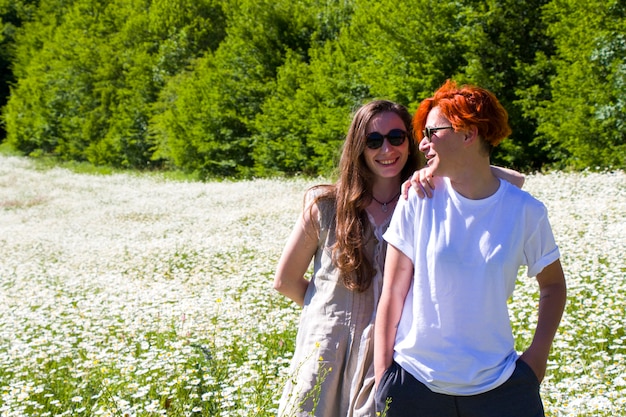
[(332, 371)]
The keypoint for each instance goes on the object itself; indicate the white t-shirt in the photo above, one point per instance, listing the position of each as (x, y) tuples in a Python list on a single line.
[(454, 334)]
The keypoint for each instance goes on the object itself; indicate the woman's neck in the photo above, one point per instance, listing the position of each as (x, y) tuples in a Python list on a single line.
[(386, 188), (477, 183)]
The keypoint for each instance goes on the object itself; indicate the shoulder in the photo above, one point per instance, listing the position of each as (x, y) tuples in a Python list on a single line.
[(316, 192), (441, 190), (523, 199), (319, 203)]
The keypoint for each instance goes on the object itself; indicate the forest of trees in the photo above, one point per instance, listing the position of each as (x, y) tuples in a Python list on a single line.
[(242, 88)]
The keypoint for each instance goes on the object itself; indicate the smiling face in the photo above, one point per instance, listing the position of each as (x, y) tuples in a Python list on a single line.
[(388, 160), (441, 151)]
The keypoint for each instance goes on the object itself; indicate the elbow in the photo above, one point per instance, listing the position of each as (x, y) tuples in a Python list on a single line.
[(278, 284), (282, 285)]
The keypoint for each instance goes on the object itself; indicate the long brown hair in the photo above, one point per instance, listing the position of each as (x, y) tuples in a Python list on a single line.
[(352, 194)]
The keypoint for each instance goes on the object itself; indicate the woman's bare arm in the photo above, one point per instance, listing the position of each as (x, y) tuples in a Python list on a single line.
[(296, 257)]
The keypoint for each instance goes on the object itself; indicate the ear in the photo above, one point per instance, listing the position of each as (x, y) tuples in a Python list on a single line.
[(471, 135)]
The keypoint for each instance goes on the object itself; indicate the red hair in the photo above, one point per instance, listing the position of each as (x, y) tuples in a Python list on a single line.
[(464, 107)]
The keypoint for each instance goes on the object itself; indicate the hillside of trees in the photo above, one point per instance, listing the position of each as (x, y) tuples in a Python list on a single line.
[(241, 88)]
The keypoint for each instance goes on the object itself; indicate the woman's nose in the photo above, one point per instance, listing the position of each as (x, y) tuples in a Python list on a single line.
[(386, 145)]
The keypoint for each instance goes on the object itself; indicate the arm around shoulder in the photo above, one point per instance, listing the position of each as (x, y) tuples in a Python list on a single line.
[(510, 175)]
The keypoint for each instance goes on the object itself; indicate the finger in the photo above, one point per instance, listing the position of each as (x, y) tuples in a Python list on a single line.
[(416, 183), (424, 187), (430, 182), (406, 185), (428, 191), (420, 191)]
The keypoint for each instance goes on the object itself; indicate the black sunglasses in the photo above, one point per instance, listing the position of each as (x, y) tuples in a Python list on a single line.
[(428, 131), (396, 137)]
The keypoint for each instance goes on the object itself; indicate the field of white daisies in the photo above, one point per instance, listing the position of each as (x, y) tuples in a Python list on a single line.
[(134, 295)]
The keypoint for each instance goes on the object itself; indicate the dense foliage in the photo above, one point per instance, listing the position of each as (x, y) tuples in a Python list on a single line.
[(266, 87)]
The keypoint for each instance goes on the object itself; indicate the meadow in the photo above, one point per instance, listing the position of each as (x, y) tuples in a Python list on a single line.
[(138, 295)]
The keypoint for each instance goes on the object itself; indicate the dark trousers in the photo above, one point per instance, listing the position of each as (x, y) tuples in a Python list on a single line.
[(404, 396)]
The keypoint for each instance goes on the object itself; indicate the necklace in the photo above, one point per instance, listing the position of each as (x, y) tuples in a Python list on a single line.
[(383, 206)]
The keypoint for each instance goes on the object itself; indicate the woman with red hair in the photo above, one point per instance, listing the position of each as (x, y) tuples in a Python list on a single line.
[(443, 341)]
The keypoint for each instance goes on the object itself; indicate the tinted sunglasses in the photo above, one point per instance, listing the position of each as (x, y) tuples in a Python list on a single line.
[(428, 131), (396, 137)]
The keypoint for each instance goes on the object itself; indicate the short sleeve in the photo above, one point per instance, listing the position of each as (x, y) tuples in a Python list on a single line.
[(401, 230), (540, 249)]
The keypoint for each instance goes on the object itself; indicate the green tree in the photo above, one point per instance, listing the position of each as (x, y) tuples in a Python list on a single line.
[(89, 72), (302, 122), (502, 41), (30, 114), (405, 50), (260, 87), (12, 14), (398, 51), (205, 117), (584, 123)]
